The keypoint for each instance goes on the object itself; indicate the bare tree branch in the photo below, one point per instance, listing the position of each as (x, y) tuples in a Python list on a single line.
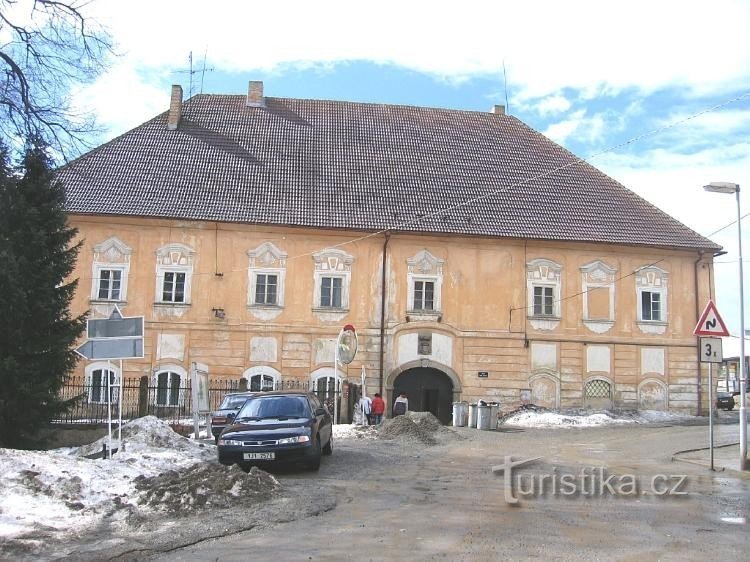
[(49, 47)]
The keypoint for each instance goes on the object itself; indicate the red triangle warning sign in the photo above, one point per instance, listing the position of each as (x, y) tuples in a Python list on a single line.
[(711, 323)]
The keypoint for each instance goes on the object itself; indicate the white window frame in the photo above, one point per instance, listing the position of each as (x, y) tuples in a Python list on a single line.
[(655, 280), (279, 286), (333, 278), (112, 254), (426, 268), (263, 372), (332, 263), (175, 271), (172, 370), (266, 259), (174, 258), (114, 386), (544, 273), (661, 307), (95, 289)]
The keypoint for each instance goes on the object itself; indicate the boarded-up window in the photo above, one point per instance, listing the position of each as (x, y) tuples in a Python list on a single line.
[(598, 303)]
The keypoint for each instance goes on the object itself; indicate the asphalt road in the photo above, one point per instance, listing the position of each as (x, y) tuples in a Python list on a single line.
[(401, 501)]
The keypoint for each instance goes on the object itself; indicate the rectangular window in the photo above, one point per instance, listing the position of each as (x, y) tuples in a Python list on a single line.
[(424, 295), (266, 288), (173, 289), (330, 292), (544, 301), (651, 306), (110, 281)]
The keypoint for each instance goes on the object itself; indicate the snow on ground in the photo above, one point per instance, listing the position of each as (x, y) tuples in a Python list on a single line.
[(530, 418), (57, 490), (354, 431)]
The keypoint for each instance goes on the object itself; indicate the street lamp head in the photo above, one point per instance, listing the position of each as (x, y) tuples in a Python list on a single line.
[(722, 187)]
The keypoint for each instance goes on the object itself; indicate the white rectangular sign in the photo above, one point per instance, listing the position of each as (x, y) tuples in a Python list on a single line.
[(711, 350)]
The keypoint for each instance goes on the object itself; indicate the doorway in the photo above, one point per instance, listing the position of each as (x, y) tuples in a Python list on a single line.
[(428, 390)]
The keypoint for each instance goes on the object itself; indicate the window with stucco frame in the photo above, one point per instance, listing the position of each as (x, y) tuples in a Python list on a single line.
[(424, 281), (174, 274), (266, 269), (331, 264)]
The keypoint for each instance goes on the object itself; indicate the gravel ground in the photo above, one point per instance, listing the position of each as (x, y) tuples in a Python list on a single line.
[(413, 490)]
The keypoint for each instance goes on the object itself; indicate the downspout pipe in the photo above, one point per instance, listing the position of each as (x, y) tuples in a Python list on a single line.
[(383, 291)]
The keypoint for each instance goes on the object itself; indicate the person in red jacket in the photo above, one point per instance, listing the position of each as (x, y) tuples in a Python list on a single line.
[(376, 409)]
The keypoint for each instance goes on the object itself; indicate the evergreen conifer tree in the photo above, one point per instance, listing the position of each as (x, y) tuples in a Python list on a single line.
[(37, 331)]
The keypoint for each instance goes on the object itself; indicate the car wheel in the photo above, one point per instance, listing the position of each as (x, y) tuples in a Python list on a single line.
[(328, 449), (314, 463)]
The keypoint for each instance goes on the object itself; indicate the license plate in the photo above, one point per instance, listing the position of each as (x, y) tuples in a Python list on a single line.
[(259, 456)]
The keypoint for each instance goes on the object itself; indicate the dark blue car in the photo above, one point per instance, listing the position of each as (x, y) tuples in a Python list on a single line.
[(276, 427)]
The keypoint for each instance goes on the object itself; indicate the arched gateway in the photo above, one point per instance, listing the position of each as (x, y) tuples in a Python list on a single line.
[(428, 389)]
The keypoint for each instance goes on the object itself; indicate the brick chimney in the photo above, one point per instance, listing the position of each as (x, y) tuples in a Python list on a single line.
[(255, 94), (498, 109), (175, 107)]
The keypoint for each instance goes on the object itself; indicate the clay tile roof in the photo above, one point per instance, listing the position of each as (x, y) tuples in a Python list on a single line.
[(333, 164)]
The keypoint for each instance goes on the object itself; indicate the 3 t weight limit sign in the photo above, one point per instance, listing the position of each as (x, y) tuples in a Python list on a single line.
[(711, 350)]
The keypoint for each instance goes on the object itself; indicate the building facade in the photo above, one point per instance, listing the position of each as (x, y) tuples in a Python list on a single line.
[(475, 258)]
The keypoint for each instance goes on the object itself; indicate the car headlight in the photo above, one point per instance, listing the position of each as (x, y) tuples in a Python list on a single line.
[(231, 442), (295, 439)]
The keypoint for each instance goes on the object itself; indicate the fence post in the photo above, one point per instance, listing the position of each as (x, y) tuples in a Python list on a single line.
[(143, 396), (243, 385)]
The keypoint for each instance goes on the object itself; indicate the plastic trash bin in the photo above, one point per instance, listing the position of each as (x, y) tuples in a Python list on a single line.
[(472, 415), (460, 413), (484, 418)]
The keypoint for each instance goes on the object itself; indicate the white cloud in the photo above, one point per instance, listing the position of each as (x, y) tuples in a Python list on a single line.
[(121, 98), (552, 104), (593, 47), (585, 129)]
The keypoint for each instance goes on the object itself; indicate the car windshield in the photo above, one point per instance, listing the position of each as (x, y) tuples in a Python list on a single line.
[(275, 407), (233, 402)]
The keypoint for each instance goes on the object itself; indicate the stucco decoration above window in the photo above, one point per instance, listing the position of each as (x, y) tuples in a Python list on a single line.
[(109, 276), (543, 281), (174, 276), (266, 280), (598, 291), (424, 280), (332, 279), (651, 285)]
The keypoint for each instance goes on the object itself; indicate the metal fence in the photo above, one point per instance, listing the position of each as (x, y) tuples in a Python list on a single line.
[(170, 400)]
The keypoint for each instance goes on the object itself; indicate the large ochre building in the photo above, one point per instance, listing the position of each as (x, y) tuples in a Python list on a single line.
[(475, 258)]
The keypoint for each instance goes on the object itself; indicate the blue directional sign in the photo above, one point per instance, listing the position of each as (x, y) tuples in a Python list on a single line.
[(112, 348), (116, 337)]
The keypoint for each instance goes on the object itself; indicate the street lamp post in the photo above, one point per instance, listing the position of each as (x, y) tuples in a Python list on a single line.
[(728, 187)]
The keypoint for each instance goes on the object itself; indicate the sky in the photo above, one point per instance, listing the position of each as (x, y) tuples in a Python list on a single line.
[(655, 94)]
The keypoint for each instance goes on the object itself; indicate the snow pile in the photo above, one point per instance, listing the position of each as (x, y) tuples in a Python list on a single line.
[(205, 486), (354, 431), (552, 419), (407, 429), (547, 419), (143, 434), (47, 492)]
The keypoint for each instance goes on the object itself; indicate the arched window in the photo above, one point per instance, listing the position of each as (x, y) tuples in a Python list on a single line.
[(99, 378), (262, 378), (170, 385)]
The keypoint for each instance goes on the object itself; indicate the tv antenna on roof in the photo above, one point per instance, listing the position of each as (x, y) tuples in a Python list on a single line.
[(192, 71)]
